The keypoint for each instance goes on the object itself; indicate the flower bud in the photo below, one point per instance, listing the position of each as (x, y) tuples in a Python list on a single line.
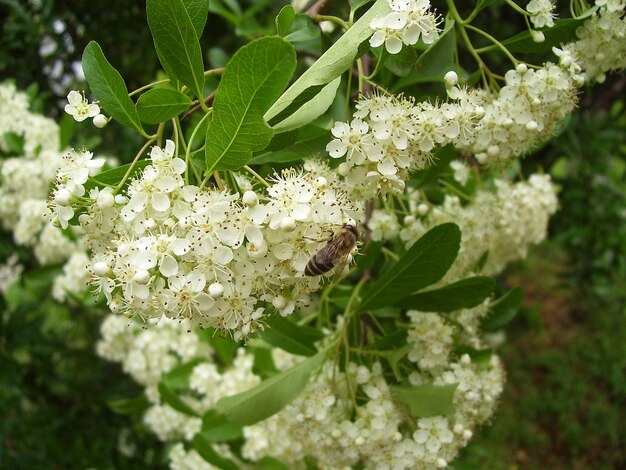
[(423, 209), (279, 302), (100, 121), (120, 199), (288, 224), (537, 36), (101, 268), (467, 434), (451, 78), (216, 290), (250, 198), (521, 68), (441, 463), (482, 158), (62, 197), (359, 441), (142, 277), (458, 428), (409, 220), (466, 359), (105, 200), (343, 169), (493, 150), (532, 125), (115, 306), (480, 112)]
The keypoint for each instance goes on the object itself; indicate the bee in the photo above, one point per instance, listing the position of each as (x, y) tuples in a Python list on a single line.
[(336, 251)]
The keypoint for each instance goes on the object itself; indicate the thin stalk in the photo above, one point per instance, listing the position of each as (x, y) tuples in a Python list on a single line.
[(132, 165), (190, 144), (257, 176)]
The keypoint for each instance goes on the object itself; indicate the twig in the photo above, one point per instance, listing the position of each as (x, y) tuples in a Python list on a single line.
[(318, 6), (207, 101)]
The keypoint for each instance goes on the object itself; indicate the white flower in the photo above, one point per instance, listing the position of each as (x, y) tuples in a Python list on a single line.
[(542, 13), (79, 107)]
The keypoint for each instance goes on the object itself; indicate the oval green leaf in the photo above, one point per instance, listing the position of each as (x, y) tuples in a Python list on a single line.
[(161, 104), (425, 401), (271, 395), (463, 294), (176, 42), (108, 86), (336, 60), (253, 79), (425, 263), (504, 309)]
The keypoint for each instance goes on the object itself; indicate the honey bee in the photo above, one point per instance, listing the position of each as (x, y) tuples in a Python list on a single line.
[(336, 251)]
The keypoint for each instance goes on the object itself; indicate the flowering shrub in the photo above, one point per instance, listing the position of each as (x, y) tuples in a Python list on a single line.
[(262, 331)]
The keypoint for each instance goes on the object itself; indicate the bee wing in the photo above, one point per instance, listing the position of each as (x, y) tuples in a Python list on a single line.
[(339, 269)]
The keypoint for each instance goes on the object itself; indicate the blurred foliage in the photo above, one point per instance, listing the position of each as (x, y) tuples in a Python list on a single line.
[(566, 362), (54, 389), (566, 355)]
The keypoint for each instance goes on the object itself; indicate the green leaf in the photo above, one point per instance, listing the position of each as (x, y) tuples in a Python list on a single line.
[(198, 11), (480, 357), (284, 18), (426, 401), (253, 79), (15, 142), (271, 395), (109, 88), (402, 63), (178, 377), (127, 406), (390, 341), (503, 310), (204, 447), (170, 396), (293, 338), (217, 428), (298, 29), (396, 355), (67, 129), (482, 4), (562, 32), (462, 294), (311, 140), (336, 60), (161, 104), (311, 109), (425, 263), (356, 4), (115, 175), (435, 62), (270, 463), (176, 42)]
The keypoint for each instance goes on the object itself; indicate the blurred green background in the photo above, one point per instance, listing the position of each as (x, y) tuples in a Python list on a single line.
[(565, 353)]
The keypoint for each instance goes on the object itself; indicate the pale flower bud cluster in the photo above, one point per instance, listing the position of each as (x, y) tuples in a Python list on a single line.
[(39, 132), (215, 258), (526, 109), (501, 225), (408, 22), (391, 136), (323, 425), (602, 44), (25, 182)]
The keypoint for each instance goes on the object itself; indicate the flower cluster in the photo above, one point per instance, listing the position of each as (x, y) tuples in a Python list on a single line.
[(26, 179), (146, 354), (408, 22), (323, 425), (526, 110), (602, 44), (501, 225), (216, 258), (391, 136)]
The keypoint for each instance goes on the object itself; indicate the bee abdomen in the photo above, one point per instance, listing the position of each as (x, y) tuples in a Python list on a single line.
[(315, 267)]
